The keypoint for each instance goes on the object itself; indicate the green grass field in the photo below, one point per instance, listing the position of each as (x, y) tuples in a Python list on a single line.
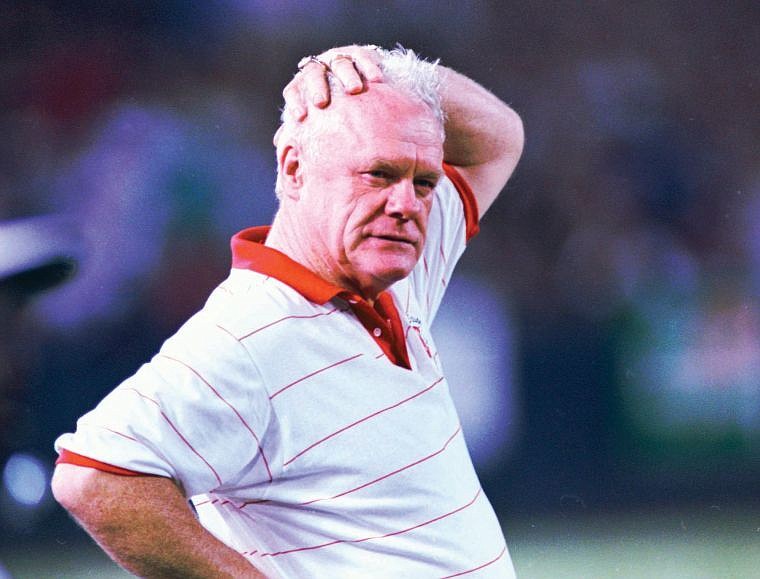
[(709, 542)]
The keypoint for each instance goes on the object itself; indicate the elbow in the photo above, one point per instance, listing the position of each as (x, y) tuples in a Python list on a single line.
[(514, 133), (77, 490), (64, 488), (84, 492), (511, 141)]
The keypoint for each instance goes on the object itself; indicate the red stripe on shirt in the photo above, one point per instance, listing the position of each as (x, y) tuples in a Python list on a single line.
[(418, 331), (483, 566), (230, 406), (385, 476), (393, 534), (314, 374), (365, 485), (178, 433), (329, 436), (293, 317), (111, 430)]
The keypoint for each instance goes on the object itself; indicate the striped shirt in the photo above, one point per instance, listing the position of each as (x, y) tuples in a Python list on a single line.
[(313, 432)]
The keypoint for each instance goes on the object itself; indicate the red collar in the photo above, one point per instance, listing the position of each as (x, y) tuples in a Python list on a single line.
[(249, 252)]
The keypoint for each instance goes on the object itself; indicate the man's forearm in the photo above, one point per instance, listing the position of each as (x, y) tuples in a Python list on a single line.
[(484, 136), (145, 525)]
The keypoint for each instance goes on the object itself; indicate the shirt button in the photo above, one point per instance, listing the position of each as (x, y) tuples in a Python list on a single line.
[(378, 332)]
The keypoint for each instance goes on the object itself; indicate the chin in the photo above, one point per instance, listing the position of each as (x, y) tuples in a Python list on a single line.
[(386, 267), (393, 273)]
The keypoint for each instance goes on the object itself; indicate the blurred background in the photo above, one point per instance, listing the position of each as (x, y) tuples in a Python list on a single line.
[(603, 335)]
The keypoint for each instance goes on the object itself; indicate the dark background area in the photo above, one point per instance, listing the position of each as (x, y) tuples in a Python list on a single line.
[(626, 246)]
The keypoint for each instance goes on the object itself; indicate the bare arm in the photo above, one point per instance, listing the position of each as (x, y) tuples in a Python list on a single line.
[(145, 525), (484, 136)]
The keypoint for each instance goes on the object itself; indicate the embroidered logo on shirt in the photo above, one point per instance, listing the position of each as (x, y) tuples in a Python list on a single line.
[(413, 321)]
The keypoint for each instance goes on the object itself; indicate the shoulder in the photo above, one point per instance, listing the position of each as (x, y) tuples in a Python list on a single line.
[(249, 314), (248, 300)]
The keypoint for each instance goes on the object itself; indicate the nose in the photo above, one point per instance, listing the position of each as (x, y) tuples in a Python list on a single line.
[(402, 202)]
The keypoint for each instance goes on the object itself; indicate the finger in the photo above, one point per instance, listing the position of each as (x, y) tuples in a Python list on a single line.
[(294, 103), (342, 66), (369, 70), (366, 62), (315, 88)]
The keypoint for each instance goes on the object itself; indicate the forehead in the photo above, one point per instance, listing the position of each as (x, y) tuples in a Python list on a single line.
[(382, 121)]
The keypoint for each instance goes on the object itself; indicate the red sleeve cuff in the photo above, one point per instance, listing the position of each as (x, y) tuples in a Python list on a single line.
[(469, 202), (68, 457)]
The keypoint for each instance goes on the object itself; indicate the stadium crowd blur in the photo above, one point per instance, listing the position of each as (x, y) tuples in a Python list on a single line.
[(626, 248)]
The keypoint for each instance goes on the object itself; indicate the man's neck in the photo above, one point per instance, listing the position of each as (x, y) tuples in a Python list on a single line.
[(281, 239)]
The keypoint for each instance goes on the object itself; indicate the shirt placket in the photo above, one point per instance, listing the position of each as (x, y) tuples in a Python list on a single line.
[(383, 323)]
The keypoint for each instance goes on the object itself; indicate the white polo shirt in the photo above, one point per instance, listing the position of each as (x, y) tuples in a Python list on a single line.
[(313, 433)]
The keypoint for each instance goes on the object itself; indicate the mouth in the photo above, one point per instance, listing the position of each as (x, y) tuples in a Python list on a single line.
[(395, 239)]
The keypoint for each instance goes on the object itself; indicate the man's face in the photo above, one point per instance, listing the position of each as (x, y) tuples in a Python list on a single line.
[(368, 188)]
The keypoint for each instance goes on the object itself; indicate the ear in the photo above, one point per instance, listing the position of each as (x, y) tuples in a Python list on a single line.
[(289, 170)]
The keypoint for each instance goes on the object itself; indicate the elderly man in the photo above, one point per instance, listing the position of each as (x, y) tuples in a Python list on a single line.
[(303, 411)]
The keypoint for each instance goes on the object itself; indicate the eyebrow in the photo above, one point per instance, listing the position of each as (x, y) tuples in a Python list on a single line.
[(389, 163), (431, 176)]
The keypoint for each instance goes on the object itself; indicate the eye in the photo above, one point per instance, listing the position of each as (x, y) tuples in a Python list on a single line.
[(379, 177), (424, 185)]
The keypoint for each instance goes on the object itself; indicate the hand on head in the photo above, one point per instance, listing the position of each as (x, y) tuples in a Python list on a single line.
[(352, 66)]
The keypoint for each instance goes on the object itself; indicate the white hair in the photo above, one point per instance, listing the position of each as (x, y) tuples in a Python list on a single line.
[(414, 76), (403, 70)]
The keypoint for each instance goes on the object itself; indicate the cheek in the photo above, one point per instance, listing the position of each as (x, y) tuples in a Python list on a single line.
[(422, 221), (331, 212), (361, 211), (345, 226)]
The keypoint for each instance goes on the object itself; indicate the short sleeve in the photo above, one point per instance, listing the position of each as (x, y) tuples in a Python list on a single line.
[(198, 403)]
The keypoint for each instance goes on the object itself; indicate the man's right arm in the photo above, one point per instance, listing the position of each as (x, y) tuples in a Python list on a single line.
[(145, 525)]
